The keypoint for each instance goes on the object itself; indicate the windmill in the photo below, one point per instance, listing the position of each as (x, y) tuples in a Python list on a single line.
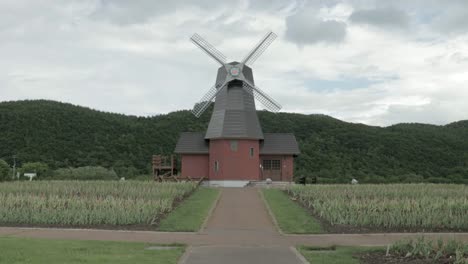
[(234, 150), (234, 91)]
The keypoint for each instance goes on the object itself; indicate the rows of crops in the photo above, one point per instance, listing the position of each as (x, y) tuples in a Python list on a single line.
[(78, 203), (396, 206)]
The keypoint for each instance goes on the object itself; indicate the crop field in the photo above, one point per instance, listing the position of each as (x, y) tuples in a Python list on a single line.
[(80, 203), (394, 206)]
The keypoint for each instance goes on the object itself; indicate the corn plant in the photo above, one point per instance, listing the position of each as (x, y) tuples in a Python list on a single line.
[(453, 250), (81, 203), (422, 206)]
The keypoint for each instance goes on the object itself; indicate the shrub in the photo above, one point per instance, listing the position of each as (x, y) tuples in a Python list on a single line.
[(85, 173), (40, 168), (4, 170), (126, 172), (438, 180), (143, 177)]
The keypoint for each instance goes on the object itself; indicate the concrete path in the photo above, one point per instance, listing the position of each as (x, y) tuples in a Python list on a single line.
[(241, 213), (196, 239), (244, 255), (240, 210), (239, 224)]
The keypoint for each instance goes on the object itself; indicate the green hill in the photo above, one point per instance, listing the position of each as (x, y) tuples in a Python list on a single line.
[(64, 135)]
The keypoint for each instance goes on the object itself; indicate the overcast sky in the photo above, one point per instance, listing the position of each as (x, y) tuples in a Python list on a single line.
[(374, 62)]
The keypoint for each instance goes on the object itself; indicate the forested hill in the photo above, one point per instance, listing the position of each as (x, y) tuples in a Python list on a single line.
[(64, 135)]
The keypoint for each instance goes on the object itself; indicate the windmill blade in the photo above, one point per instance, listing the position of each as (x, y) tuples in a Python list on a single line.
[(206, 100), (259, 48), (262, 97), (208, 49)]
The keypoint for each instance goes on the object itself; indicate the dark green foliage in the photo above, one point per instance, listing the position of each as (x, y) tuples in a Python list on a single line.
[(40, 168), (4, 171), (64, 135), (85, 173), (142, 177), (336, 151)]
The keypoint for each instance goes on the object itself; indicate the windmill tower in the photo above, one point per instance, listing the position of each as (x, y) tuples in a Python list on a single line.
[(234, 142)]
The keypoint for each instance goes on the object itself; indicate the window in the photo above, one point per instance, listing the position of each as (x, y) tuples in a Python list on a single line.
[(251, 152), (275, 164), (234, 145), (271, 164), (216, 166)]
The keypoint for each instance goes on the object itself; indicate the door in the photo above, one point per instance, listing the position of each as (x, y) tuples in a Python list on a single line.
[(272, 169)]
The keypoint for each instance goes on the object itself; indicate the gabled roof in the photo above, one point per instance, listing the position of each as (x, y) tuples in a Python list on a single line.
[(279, 143), (272, 144), (192, 143)]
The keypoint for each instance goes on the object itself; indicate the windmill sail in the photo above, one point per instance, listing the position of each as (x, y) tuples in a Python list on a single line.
[(259, 48), (268, 102), (208, 49), (206, 100)]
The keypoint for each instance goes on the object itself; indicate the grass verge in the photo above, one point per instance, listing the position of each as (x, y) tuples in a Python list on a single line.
[(290, 216), (333, 255), (37, 251), (191, 213)]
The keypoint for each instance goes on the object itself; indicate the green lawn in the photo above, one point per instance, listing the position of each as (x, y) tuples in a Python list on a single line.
[(291, 217), (191, 213), (332, 255), (26, 250)]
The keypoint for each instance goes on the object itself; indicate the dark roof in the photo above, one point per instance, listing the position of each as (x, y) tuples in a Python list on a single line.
[(273, 144), (192, 143), (234, 114), (279, 143)]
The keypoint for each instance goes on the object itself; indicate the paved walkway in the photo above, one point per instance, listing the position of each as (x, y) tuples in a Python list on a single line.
[(240, 226), (241, 213)]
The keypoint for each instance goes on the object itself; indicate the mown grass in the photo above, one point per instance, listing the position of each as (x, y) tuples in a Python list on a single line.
[(333, 255), (39, 251), (420, 250), (291, 217), (190, 215)]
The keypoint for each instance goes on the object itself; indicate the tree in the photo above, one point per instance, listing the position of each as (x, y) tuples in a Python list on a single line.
[(85, 173), (126, 172), (63, 135), (40, 168), (4, 171)]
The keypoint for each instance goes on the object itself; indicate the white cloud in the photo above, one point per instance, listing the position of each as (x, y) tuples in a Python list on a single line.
[(306, 27), (381, 17), (136, 58)]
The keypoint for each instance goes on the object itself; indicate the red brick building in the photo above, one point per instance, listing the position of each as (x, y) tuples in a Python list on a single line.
[(238, 159)]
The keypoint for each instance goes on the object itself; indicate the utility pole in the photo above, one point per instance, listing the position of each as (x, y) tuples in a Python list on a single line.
[(14, 166)]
